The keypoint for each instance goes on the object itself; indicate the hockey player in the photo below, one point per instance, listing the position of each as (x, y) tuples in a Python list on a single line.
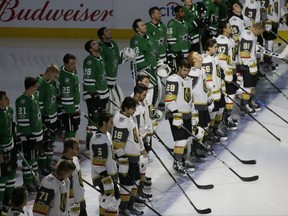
[(127, 148), (103, 165), (52, 197), (196, 21), (213, 7), (273, 15), (46, 97), (178, 104), (158, 31), (214, 86), (201, 104), (76, 193), (251, 9), (227, 63), (248, 64), (68, 83), (238, 21), (146, 61), (178, 39), (95, 87), (19, 201), (112, 58), (140, 92), (8, 158), (29, 130)]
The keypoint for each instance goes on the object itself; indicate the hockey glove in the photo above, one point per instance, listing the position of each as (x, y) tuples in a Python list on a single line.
[(253, 68), (123, 164), (195, 118), (128, 54), (199, 133), (210, 104), (177, 120), (74, 209), (163, 70), (107, 202)]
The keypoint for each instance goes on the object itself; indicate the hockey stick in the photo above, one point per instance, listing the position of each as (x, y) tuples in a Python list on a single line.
[(242, 161), (283, 55), (200, 211), (254, 118), (253, 96), (152, 209), (35, 177), (246, 179), (276, 87), (210, 186), (279, 37)]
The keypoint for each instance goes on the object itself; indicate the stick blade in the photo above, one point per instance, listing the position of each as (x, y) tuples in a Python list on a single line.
[(205, 187), (249, 179), (204, 211), (248, 161)]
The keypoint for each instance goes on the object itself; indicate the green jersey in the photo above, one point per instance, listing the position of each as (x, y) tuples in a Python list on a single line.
[(178, 37), (190, 16), (94, 79), (28, 117), (159, 34), (6, 133), (111, 58), (69, 90), (213, 13), (46, 96), (146, 51)]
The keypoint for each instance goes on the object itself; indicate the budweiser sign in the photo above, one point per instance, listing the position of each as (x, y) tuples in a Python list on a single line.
[(12, 10)]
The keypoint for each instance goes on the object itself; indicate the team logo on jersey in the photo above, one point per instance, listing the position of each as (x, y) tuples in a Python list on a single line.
[(98, 136), (121, 119), (187, 94), (22, 101), (67, 80)]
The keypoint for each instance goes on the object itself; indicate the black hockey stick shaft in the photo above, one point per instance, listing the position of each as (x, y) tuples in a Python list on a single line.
[(253, 96), (252, 178), (210, 186), (35, 177), (254, 118), (242, 161), (279, 37), (152, 209), (276, 87), (200, 211)]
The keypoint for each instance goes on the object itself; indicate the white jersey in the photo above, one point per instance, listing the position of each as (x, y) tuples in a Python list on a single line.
[(52, 197), (199, 88), (226, 55), (273, 9), (16, 212), (76, 193), (178, 96), (238, 24), (251, 9), (126, 136), (247, 48), (213, 76), (101, 155)]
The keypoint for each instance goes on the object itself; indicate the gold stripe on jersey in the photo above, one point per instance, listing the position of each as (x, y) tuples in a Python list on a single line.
[(71, 193), (170, 97), (229, 106), (117, 145), (41, 209), (179, 150), (245, 54), (222, 56), (245, 96), (99, 161), (111, 213), (125, 197)]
